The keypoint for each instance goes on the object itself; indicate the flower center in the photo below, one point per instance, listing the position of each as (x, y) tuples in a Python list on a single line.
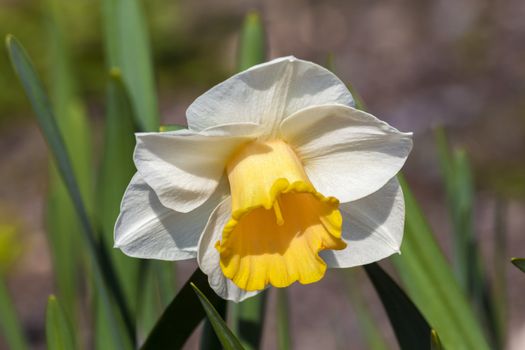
[(279, 222)]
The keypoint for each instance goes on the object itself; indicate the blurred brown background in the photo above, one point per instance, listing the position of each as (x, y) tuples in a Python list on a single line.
[(416, 64)]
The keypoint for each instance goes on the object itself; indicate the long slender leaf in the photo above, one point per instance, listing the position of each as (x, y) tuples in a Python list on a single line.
[(59, 331), (10, 327), (116, 170), (284, 336), (430, 283), (252, 43), (250, 320), (103, 270), (171, 332), (209, 339), (158, 281), (62, 221), (458, 187), (225, 335), (128, 48), (469, 269), (411, 328), (368, 327)]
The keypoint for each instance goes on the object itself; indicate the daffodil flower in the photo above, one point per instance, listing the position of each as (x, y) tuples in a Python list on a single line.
[(276, 178)]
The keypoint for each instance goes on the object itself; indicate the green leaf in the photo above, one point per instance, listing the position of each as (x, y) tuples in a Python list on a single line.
[(519, 263), (468, 264), (103, 270), (10, 327), (73, 124), (128, 47), (169, 332), (411, 328), (368, 327), (209, 339), (458, 187), (59, 332), (248, 320), (252, 43), (116, 171), (225, 335), (158, 279), (431, 285), (284, 336)]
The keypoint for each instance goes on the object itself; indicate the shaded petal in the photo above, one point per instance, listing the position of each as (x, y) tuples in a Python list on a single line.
[(184, 167), (347, 153), (147, 229), (208, 256), (372, 228), (267, 93)]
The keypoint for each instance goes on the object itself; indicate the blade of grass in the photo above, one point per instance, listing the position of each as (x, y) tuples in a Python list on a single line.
[(225, 335), (59, 331), (459, 199), (171, 331), (411, 328), (468, 264), (9, 323), (209, 339), (249, 320), (159, 277), (367, 326), (128, 47), (102, 269), (252, 42), (431, 285), (284, 336), (116, 171), (73, 124)]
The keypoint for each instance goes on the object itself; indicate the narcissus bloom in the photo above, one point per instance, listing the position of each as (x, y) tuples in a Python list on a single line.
[(277, 178)]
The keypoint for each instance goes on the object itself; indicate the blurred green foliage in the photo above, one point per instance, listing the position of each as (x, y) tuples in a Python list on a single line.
[(178, 58)]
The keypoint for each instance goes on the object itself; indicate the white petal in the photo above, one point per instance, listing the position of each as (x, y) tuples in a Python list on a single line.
[(372, 228), (347, 153), (147, 229), (208, 256), (267, 93), (184, 167)]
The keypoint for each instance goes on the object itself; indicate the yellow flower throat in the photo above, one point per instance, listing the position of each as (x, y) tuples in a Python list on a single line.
[(279, 222)]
